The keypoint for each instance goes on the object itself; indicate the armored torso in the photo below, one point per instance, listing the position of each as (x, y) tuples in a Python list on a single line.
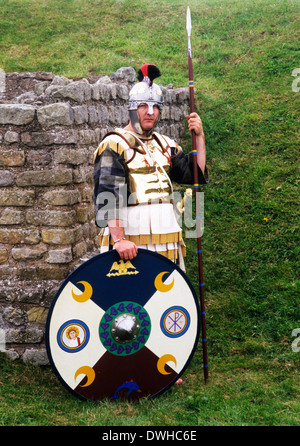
[(147, 164), (148, 173)]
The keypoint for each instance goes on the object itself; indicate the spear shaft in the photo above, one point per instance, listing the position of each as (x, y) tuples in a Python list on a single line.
[(197, 204)]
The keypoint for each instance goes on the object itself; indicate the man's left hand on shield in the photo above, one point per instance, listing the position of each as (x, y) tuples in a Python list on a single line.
[(126, 249)]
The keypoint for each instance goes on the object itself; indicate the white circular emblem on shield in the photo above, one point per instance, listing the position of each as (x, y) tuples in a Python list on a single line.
[(175, 321), (73, 336)]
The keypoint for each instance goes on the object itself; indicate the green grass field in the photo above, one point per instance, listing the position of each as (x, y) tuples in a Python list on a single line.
[(244, 53)]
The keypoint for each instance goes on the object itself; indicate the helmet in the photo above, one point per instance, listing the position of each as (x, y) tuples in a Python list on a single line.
[(144, 92)]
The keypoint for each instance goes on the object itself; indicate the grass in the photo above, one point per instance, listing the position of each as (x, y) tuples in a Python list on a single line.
[(248, 391), (244, 53)]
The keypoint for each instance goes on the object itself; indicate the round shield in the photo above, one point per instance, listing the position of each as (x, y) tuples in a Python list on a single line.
[(122, 329)]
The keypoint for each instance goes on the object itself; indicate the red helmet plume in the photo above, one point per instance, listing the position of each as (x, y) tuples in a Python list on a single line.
[(147, 73)]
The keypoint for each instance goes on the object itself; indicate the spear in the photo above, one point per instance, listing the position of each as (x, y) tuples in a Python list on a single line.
[(196, 194)]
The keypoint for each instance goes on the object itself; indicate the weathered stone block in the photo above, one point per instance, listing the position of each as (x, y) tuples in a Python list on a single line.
[(40, 88), (176, 114), (11, 217), (42, 272), (38, 157), (50, 218), (83, 175), (62, 197), (37, 314), (3, 255), (17, 114), (79, 91), (54, 177), (81, 115), (60, 256), (104, 80), (16, 198), (104, 92), (61, 236), (56, 84), (82, 214), (79, 250), (118, 115), (71, 156), (35, 356), (15, 236), (182, 95), (60, 80), (173, 96), (122, 92), (24, 335), (21, 293), (11, 137), (103, 114), (26, 253), (87, 137), (59, 113), (124, 74), (165, 114), (93, 114), (6, 272), (38, 139), (12, 158), (87, 194), (14, 316), (7, 178), (26, 98)]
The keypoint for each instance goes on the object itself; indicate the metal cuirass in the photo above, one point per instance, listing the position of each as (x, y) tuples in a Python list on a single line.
[(148, 174), (147, 162)]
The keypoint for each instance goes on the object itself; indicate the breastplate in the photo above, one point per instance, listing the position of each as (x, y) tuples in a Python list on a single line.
[(147, 174)]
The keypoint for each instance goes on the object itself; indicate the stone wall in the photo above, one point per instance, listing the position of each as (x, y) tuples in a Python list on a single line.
[(50, 127)]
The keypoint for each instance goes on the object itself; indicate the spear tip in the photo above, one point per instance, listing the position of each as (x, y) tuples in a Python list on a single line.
[(188, 21)]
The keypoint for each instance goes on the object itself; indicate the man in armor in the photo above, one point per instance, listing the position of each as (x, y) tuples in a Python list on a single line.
[(133, 172)]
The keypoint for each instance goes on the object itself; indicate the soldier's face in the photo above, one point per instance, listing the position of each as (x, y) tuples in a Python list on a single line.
[(148, 117)]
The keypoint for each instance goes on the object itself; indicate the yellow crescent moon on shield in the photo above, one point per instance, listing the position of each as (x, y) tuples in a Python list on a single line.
[(88, 372), (163, 361), (160, 285), (86, 295)]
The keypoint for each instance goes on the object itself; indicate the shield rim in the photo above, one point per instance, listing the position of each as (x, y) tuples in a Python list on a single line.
[(61, 287)]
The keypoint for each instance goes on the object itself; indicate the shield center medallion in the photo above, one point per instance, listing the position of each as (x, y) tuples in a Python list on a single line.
[(125, 328)]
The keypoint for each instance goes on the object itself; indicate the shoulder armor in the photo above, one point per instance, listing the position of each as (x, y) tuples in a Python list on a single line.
[(117, 140), (166, 143)]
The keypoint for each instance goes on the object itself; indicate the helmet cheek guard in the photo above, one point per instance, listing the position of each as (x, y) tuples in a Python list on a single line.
[(144, 92), (135, 121)]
